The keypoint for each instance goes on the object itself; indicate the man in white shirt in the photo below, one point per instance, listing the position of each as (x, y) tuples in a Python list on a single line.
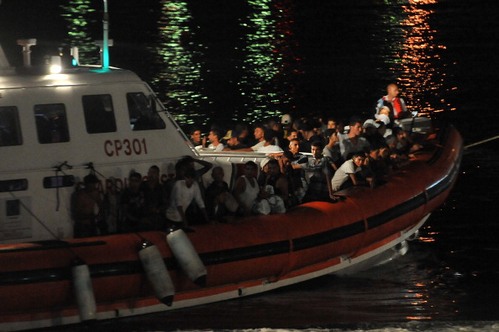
[(184, 192), (346, 174)]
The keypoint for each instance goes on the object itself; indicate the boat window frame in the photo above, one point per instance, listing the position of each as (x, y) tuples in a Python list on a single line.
[(57, 132), (98, 111), (13, 185), (15, 137), (142, 108)]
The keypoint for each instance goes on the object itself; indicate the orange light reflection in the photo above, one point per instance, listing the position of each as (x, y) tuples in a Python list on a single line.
[(422, 75)]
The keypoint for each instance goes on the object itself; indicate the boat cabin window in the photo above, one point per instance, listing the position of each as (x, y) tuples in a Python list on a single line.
[(13, 185), (143, 115), (10, 129), (99, 114), (12, 208), (51, 123), (58, 181)]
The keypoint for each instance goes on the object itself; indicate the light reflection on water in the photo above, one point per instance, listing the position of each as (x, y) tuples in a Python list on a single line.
[(270, 64), (262, 78), (414, 55), (178, 77), (424, 72)]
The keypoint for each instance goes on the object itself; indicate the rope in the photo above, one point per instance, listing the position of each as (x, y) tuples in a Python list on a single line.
[(41, 223), (481, 142), (58, 169)]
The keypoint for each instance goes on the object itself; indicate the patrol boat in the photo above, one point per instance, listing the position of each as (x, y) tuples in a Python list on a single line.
[(57, 127)]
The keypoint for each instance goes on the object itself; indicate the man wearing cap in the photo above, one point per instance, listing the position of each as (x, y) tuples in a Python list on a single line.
[(232, 140)]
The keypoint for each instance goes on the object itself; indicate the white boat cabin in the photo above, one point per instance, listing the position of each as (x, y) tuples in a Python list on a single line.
[(55, 127)]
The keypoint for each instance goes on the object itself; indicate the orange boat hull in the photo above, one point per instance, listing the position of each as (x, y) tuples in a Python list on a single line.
[(258, 254)]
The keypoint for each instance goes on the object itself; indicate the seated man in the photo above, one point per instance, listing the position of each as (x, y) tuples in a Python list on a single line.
[(132, 204), (347, 175), (215, 141), (268, 146), (88, 209), (353, 142), (219, 201), (275, 188), (247, 189), (318, 170), (155, 201), (296, 177), (233, 141)]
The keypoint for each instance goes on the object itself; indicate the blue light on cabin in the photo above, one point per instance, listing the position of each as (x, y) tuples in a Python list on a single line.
[(105, 58)]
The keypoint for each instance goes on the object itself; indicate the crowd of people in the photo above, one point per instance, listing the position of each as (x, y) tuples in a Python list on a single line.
[(305, 160)]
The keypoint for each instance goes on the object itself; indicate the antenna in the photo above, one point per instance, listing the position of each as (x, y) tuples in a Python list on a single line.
[(105, 38)]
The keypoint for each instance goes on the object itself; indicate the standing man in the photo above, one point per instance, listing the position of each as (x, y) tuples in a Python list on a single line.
[(318, 170), (184, 192), (88, 209), (395, 103), (155, 201)]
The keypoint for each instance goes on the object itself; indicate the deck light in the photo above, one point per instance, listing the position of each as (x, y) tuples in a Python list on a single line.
[(55, 65)]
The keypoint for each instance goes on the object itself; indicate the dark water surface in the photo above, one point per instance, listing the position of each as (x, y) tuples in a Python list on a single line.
[(223, 60)]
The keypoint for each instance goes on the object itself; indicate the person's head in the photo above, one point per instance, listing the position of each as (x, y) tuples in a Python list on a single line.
[(91, 182), (370, 127), (269, 135), (384, 152), (134, 180), (358, 159), (196, 135), (250, 169), (153, 174), (242, 129), (331, 123), (399, 133), (189, 177), (305, 127), (356, 129), (294, 145), (384, 110), (232, 138), (392, 90), (258, 133), (214, 136), (316, 148), (317, 125), (183, 164), (217, 174), (374, 153), (293, 133)]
